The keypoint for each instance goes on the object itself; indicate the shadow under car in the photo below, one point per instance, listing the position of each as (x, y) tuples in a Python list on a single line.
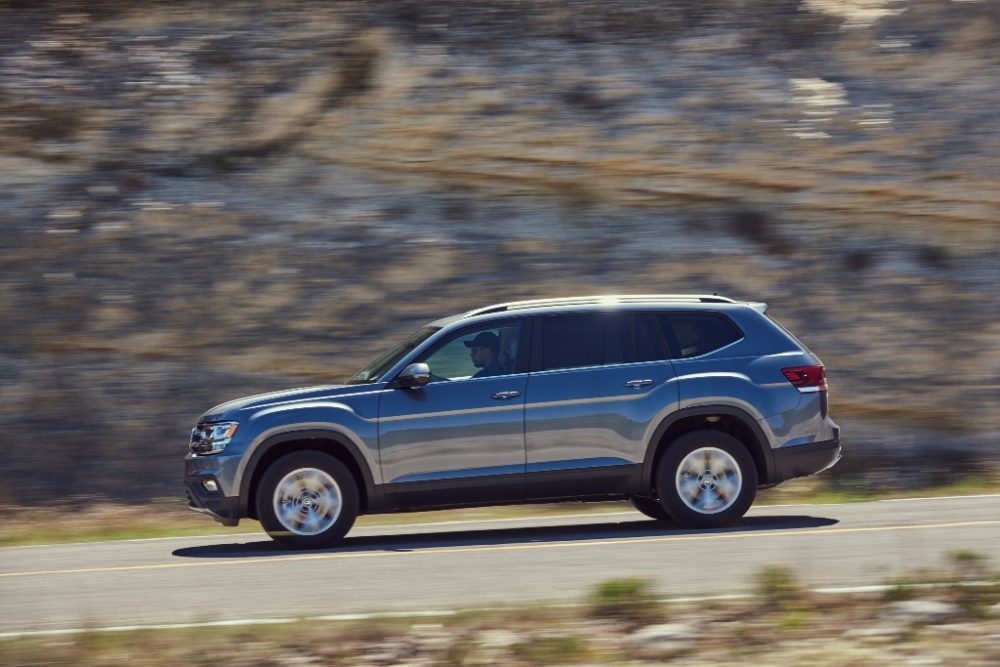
[(503, 536)]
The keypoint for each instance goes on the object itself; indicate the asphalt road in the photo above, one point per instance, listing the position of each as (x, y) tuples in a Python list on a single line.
[(469, 564)]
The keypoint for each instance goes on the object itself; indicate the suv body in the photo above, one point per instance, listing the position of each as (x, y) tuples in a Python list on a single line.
[(684, 404)]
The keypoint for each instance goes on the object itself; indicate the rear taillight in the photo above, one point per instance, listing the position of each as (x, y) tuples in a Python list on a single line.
[(807, 379)]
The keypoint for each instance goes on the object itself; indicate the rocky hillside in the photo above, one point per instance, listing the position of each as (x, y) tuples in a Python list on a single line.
[(200, 202)]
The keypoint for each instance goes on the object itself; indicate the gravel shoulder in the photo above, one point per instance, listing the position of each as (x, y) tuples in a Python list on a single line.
[(615, 623)]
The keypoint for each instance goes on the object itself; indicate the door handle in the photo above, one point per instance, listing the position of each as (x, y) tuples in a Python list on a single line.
[(635, 384), (504, 395)]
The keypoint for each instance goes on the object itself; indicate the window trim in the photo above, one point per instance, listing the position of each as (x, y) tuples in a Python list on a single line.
[(718, 349), (625, 364)]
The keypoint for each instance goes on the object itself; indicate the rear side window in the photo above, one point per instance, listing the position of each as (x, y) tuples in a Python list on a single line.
[(574, 341), (598, 339), (694, 334), (648, 342)]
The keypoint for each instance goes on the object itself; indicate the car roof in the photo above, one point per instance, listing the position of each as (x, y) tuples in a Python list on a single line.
[(603, 301)]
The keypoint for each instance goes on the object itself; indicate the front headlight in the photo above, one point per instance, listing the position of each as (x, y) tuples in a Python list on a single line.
[(212, 438)]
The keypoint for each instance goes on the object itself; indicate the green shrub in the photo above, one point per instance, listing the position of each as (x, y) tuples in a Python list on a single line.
[(967, 581), (778, 586), (796, 620), (968, 565), (969, 574), (626, 599), (899, 590), (553, 650)]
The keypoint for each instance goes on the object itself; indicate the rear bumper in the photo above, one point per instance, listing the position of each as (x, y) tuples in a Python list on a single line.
[(802, 460), (223, 509)]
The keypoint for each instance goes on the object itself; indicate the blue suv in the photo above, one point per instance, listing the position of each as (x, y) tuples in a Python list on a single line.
[(686, 405)]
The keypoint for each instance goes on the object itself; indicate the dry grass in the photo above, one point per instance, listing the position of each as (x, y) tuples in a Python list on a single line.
[(106, 521)]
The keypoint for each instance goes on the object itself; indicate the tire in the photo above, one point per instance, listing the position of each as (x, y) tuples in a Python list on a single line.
[(650, 507), (307, 500), (706, 479)]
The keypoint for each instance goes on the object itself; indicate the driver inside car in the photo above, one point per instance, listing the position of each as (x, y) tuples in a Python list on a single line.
[(484, 350)]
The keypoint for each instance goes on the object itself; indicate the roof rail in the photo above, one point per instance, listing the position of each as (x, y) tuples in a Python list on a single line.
[(598, 300)]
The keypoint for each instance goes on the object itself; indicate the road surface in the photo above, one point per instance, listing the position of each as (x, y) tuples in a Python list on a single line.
[(477, 563)]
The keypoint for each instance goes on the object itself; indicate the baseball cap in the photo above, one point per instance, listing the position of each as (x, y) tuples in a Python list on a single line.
[(484, 339)]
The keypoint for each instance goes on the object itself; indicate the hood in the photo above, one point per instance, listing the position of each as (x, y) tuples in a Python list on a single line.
[(306, 394)]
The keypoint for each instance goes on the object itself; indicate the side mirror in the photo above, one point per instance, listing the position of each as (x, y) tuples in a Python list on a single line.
[(413, 376)]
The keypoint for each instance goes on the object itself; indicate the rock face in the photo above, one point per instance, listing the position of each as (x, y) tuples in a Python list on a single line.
[(199, 204), (663, 640), (924, 611)]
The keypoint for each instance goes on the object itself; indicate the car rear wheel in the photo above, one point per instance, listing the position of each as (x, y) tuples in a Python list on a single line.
[(706, 479), (307, 500)]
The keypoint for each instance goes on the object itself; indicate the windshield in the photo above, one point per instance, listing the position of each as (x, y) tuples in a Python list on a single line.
[(388, 359)]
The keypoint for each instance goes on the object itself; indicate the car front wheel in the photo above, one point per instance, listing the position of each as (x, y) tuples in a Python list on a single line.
[(307, 500), (706, 479)]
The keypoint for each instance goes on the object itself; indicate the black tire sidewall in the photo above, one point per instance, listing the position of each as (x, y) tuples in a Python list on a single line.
[(667, 470), (650, 508), (307, 459)]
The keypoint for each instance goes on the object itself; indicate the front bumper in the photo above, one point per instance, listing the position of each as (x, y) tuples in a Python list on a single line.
[(224, 509), (222, 504), (808, 459)]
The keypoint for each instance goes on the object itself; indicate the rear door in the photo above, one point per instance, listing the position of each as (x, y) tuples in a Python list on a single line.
[(597, 381)]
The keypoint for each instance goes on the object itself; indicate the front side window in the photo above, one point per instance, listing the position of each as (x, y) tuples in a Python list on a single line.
[(475, 352)]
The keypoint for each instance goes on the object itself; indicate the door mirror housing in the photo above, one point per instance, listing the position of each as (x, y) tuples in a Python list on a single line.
[(414, 376)]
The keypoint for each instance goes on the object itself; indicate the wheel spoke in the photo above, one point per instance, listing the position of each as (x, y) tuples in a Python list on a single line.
[(288, 513), (311, 521), (690, 488), (719, 466), (727, 487), (709, 499), (326, 500)]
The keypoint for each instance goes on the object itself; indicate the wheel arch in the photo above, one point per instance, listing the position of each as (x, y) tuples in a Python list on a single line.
[(320, 440), (725, 418)]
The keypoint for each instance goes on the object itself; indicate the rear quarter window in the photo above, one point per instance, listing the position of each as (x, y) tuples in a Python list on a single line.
[(694, 334)]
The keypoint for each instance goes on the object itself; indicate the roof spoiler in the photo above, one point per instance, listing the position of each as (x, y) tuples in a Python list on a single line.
[(759, 306)]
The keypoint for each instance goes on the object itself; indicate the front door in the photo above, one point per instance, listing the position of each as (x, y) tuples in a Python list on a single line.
[(460, 438)]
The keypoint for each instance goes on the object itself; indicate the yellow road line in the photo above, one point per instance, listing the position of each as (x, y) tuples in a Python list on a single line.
[(507, 547)]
